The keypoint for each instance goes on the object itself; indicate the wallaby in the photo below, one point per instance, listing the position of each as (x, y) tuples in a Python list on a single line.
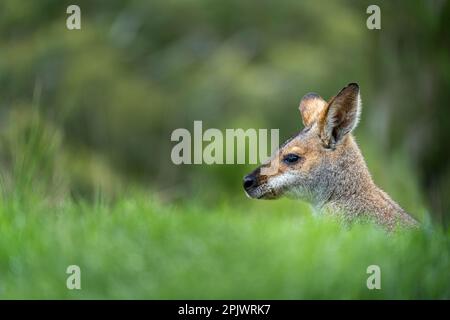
[(324, 166)]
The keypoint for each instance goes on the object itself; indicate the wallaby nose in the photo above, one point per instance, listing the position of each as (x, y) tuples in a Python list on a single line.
[(249, 181)]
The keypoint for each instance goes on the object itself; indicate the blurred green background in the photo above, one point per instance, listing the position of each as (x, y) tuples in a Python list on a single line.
[(108, 96), (85, 123)]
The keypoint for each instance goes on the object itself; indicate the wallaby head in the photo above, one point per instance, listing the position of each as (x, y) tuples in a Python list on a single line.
[(322, 164)]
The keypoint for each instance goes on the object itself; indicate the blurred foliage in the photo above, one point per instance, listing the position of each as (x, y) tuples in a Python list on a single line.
[(105, 99), (138, 248)]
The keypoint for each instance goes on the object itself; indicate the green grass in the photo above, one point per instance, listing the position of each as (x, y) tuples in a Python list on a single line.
[(140, 248)]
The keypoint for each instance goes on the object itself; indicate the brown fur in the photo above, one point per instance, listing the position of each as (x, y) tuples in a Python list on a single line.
[(330, 171)]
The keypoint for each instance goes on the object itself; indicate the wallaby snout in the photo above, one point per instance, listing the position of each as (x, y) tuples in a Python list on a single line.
[(249, 182), (255, 185)]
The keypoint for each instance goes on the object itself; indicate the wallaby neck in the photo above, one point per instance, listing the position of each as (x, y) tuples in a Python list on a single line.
[(352, 177), (354, 193)]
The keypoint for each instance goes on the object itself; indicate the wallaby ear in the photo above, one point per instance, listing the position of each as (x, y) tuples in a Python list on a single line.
[(341, 115), (311, 107)]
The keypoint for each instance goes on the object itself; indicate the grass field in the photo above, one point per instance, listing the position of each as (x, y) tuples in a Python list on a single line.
[(140, 248)]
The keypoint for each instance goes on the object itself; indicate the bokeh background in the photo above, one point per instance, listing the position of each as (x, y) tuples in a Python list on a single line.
[(90, 112)]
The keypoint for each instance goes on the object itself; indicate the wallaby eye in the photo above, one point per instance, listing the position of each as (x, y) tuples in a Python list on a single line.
[(291, 158)]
